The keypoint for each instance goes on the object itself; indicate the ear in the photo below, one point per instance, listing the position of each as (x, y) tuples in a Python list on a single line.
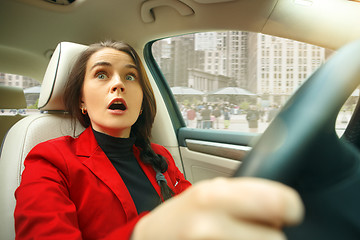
[(82, 103)]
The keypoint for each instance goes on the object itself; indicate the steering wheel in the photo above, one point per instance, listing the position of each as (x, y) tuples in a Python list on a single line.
[(301, 149)]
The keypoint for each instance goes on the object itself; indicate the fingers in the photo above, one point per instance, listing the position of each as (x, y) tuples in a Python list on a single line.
[(237, 208), (251, 231), (225, 228), (257, 200)]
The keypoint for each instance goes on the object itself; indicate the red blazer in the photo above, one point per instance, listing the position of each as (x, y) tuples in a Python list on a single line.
[(70, 190)]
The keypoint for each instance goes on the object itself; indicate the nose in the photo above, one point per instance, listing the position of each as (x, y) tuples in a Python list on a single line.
[(117, 85)]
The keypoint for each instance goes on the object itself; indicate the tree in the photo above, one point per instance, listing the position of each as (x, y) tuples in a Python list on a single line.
[(34, 106)]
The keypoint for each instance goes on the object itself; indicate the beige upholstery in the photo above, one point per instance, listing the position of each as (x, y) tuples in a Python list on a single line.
[(59, 67), (31, 130), (10, 98), (6, 122)]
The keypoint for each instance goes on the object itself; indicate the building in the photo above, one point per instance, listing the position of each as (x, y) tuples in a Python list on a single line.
[(225, 53), (279, 66), (175, 57), (23, 82), (199, 79), (269, 66), (185, 60)]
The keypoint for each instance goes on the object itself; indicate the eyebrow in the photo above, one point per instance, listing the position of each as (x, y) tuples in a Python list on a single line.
[(100, 64), (132, 66), (109, 64)]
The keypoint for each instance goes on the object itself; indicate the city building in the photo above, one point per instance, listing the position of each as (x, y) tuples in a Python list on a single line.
[(23, 82), (279, 66), (269, 66)]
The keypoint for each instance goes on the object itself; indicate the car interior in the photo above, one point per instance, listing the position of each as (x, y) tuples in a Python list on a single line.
[(11, 98), (301, 147)]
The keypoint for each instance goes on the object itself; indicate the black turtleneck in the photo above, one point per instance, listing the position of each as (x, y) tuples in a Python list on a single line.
[(121, 155)]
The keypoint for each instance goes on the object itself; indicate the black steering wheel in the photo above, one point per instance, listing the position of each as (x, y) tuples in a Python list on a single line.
[(301, 149)]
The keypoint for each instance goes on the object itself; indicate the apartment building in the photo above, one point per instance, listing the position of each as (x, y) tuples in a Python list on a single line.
[(279, 66), (269, 66), (23, 82)]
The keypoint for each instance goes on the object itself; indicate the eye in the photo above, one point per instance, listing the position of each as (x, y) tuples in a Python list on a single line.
[(101, 75), (130, 77)]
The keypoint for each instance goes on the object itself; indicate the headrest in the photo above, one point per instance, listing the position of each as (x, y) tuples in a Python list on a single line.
[(56, 75), (12, 98)]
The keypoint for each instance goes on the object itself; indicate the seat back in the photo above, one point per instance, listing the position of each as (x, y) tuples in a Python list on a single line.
[(36, 128), (10, 98)]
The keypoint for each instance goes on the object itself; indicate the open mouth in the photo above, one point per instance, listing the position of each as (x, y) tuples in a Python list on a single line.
[(117, 105)]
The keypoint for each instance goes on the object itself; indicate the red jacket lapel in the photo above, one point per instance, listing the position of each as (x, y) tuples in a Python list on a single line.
[(100, 165)]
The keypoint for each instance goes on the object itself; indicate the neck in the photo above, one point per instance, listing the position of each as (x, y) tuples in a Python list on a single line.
[(113, 146), (118, 133)]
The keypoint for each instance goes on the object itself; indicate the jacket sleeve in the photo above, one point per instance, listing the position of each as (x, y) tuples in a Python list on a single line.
[(44, 209)]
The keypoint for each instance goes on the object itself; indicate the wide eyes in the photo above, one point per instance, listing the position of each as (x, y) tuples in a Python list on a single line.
[(130, 77), (104, 76), (101, 76)]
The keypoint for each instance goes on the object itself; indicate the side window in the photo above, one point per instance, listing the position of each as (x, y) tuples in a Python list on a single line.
[(234, 80), (346, 112)]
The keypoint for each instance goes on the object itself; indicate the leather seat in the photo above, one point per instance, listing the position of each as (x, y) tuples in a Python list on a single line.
[(10, 98), (36, 128)]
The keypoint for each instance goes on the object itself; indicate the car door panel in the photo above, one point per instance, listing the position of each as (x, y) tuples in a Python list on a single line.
[(200, 166), (208, 154)]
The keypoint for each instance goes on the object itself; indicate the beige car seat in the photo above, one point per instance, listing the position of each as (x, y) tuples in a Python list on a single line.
[(10, 98), (33, 129)]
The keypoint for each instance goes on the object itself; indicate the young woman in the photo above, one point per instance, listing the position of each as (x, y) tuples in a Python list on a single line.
[(110, 182)]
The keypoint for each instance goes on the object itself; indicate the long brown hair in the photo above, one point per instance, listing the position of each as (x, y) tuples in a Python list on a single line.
[(142, 127)]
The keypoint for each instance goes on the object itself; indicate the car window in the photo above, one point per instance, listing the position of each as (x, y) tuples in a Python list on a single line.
[(346, 112), (237, 80), (31, 88)]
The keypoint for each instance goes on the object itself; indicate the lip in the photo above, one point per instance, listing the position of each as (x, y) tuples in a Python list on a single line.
[(117, 111)]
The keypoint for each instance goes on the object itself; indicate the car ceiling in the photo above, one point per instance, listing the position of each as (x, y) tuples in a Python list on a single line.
[(31, 29)]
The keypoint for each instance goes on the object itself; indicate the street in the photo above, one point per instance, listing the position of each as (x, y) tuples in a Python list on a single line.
[(239, 123)]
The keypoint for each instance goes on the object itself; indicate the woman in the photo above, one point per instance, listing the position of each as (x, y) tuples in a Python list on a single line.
[(108, 182)]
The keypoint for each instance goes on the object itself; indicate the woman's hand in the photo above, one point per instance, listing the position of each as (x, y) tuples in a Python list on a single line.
[(237, 208)]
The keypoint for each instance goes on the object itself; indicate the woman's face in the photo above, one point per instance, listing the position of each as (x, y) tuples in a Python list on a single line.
[(111, 92)]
